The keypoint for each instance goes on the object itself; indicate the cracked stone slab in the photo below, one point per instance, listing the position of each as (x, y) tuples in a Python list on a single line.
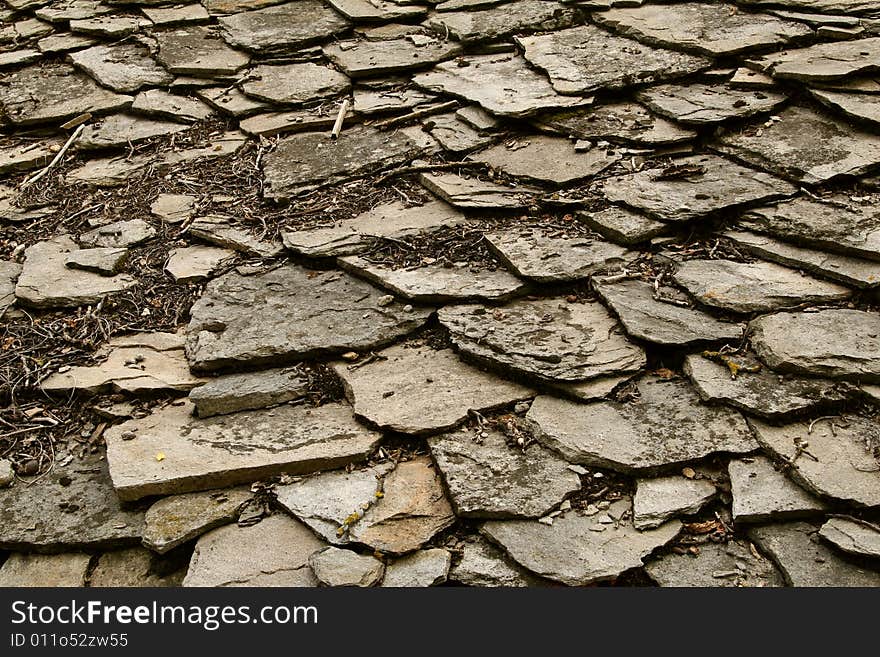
[(177, 15), (298, 120), (622, 226), (657, 500), (423, 391), (173, 452), (585, 59), (52, 94), (571, 551), (435, 284), (72, 507), (192, 264), (761, 393), (847, 466), (411, 512), (730, 564), (198, 51), (9, 273), (762, 494), (68, 569), (504, 85), (328, 501), (391, 220), (547, 159), (494, 23), (219, 230), (231, 101), (248, 391), (177, 519), (162, 104), (863, 107), (486, 478), (282, 28), (294, 84), (377, 11), (746, 78), (852, 271), (666, 426), (743, 287), (110, 27), (124, 130), (133, 567), (456, 135), (825, 62), (380, 101), (274, 552), (473, 193), (19, 58), (852, 536), (419, 569), (64, 43), (305, 314), (717, 184), (119, 234), (804, 145), (547, 339), (105, 260), (46, 282), (334, 566), (535, 256), (311, 160), (625, 122), (717, 30), (646, 318), (360, 59), (805, 561), (837, 343), (72, 10), (124, 68), (483, 564), (701, 104), (838, 226)]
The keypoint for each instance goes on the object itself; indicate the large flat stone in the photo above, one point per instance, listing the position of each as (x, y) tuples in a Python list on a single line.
[(248, 391), (294, 84), (124, 68), (198, 51), (664, 427), (622, 226), (805, 145), (837, 343), (26, 156), (571, 552), (846, 465), (173, 452), (701, 104), (493, 23), (502, 84), (423, 391), (231, 101), (862, 107), (716, 185), (852, 536), (585, 59), (162, 104), (282, 28), (487, 478), (456, 135), (761, 493), (361, 59), (123, 130), (72, 507), (334, 566), (475, 194), (193, 264), (825, 61), (730, 564), (657, 500), (547, 339), (45, 570), (646, 318), (304, 314), (176, 15)]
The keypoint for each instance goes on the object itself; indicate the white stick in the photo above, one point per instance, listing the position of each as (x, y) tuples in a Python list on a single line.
[(57, 158), (337, 127)]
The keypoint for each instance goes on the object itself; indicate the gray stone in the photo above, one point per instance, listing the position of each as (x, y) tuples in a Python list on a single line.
[(329, 502), (825, 61), (119, 235), (53, 94), (177, 15), (46, 281), (804, 145), (664, 427), (482, 564), (282, 28), (337, 567), (9, 272), (423, 391), (585, 59), (412, 510), (176, 519), (761, 493), (71, 507), (380, 101), (111, 27), (390, 220), (231, 101), (274, 552), (434, 284), (622, 226), (223, 7), (486, 478), (746, 78), (419, 569), (7, 474), (360, 59), (852, 271), (473, 193), (716, 184), (303, 314), (502, 84), (294, 84), (805, 562), (851, 85), (124, 68), (64, 43), (717, 30), (822, 6), (478, 118), (863, 107), (311, 119), (658, 500), (23, 30), (311, 160), (162, 104), (132, 568), (103, 260), (19, 58), (72, 10), (45, 570), (591, 389), (730, 564), (175, 453), (544, 259), (248, 391), (198, 51), (846, 465), (192, 264), (569, 551), (547, 339), (377, 11), (701, 104), (173, 208), (760, 393), (852, 536), (219, 230), (493, 23), (455, 135), (124, 130), (837, 343)]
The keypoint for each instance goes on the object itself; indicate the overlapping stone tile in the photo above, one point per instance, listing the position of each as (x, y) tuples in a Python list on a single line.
[(198, 51), (622, 226), (852, 536), (248, 391), (493, 23), (294, 84), (659, 499), (378, 11), (124, 130), (220, 230), (474, 193), (824, 61), (164, 105), (761, 493), (360, 59), (702, 104), (282, 27)]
